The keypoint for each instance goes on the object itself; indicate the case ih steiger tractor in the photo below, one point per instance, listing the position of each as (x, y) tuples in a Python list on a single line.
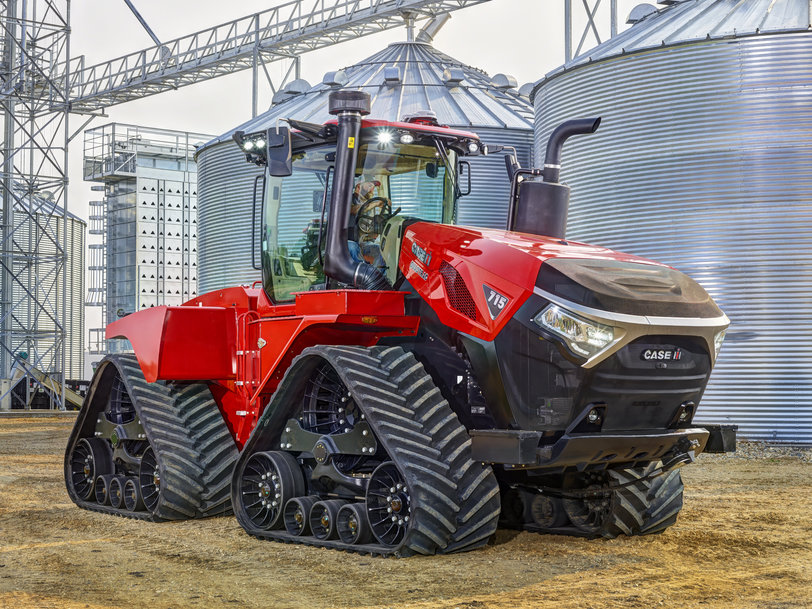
[(397, 384)]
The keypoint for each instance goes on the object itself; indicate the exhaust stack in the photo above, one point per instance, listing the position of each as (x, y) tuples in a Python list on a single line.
[(540, 207), (552, 159), (348, 106)]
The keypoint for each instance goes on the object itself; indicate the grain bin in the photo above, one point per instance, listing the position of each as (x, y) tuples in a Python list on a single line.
[(704, 161)]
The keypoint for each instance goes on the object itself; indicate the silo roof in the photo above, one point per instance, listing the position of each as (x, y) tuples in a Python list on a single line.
[(698, 20), (405, 78), (36, 204)]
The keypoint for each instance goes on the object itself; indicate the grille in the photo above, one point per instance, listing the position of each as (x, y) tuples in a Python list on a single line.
[(645, 394), (458, 295)]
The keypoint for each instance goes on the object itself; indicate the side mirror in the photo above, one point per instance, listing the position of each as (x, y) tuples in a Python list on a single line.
[(464, 173), (431, 170), (492, 149), (280, 161)]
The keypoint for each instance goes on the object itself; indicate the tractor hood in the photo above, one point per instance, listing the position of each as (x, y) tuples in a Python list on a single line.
[(476, 279)]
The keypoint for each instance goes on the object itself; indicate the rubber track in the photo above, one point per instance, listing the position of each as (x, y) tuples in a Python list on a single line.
[(188, 443), (411, 421), (645, 506), (477, 488), (641, 507), (214, 446)]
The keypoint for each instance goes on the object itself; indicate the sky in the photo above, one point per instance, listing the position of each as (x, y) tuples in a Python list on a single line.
[(523, 38)]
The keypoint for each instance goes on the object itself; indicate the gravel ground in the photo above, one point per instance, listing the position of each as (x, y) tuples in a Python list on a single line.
[(743, 541)]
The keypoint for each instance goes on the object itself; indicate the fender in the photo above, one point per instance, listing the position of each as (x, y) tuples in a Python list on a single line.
[(182, 343)]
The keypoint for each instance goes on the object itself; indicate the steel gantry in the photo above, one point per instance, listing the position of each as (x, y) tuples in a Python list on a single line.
[(42, 85), (280, 33)]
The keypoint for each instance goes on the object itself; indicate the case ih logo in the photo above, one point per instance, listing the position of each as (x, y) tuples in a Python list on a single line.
[(670, 355)]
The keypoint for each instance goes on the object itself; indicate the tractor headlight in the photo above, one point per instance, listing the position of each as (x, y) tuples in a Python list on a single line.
[(384, 137), (718, 340), (584, 337)]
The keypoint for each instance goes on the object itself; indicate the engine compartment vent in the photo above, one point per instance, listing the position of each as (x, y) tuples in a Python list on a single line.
[(459, 297)]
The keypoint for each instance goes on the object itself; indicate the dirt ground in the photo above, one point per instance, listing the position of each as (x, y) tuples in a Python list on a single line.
[(743, 540)]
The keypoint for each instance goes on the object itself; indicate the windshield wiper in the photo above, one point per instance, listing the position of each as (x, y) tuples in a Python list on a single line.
[(447, 162)]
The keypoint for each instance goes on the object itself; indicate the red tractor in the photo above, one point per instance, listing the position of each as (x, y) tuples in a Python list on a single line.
[(398, 384)]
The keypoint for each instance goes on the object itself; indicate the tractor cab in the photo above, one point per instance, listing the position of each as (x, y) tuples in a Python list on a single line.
[(404, 172)]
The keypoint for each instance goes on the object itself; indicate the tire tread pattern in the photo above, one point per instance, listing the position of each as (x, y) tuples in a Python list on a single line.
[(193, 447)]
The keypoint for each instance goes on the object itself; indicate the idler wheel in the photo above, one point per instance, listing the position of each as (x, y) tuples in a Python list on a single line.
[(388, 504), (547, 512), (91, 458), (133, 500), (102, 489), (297, 514), (323, 517), (352, 524), (149, 478), (268, 481), (115, 491)]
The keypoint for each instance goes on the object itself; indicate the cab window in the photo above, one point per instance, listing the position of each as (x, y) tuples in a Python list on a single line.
[(291, 220)]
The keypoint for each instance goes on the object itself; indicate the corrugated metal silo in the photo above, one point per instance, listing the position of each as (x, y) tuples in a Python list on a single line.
[(402, 79), (43, 228), (704, 161)]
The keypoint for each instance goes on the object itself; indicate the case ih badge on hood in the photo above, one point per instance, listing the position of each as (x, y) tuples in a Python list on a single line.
[(383, 410)]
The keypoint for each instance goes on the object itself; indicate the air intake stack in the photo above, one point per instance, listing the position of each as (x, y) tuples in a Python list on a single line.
[(348, 106)]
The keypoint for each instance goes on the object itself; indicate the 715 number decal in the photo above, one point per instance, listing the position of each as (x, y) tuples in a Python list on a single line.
[(496, 301)]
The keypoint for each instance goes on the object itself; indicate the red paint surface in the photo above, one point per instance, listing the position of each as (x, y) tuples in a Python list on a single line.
[(505, 261), (241, 344)]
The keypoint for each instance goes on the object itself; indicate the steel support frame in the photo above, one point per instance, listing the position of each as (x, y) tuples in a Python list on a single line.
[(591, 31), (285, 31), (33, 185)]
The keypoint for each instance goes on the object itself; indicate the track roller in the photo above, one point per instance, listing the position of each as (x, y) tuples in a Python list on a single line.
[(297, 514), (102, 489), (115, 491), (352, 524), (133, 500), (323, 516)]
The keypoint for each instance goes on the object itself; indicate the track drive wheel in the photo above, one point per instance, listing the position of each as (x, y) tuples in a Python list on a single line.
[(91, 458), (269, 480), (388, 504)]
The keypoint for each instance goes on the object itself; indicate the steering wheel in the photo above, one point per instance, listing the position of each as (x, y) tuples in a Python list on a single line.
[(369, 222)]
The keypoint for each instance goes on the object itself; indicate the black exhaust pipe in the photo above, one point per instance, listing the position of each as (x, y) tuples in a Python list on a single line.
[(552, 160), (540, 207), (348, 106)]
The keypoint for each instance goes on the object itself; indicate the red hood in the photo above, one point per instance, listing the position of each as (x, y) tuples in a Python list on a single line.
[(485, 260)]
